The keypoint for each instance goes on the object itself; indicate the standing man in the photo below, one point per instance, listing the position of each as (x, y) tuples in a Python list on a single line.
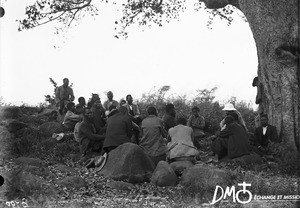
[(110, 101), (63, 95)]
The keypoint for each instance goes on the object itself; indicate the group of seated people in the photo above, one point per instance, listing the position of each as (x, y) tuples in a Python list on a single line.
[(102, 128), (234, 140)]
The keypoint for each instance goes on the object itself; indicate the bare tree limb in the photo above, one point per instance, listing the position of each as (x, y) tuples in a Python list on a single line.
[(73, 17), (216, 4), (52, 19)]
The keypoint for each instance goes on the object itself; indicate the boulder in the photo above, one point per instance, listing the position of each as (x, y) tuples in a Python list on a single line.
[(30, 161), (48, 144), (71, 182), (29, 110), (4, 133), (5, 138), (252, 158), (38, 171), (12, 112), (203, 179), (62, 150), (180, 166), (46, 112), (164, 175), (128, 162), (28, 132), (75, 157), (22, 184), (65, 169), (120, 185), (48, 128), (13, 125)]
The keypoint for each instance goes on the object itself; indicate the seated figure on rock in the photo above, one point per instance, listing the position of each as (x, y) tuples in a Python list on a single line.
[(70, 118), (134, 112), (180, 138), (169, 117), (118, 130), (112, 110), (88, 139), (232, 141), (197, 123), (263, 135), (80, 107), (153, 136), (229, 109), (98, 115)]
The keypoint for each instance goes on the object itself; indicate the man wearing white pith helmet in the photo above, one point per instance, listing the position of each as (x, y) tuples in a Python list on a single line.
[(229, 109)]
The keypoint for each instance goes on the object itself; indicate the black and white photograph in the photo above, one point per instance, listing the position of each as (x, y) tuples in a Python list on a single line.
[(149, 103)]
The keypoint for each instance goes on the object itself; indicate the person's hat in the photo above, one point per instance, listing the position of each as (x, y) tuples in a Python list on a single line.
[(228, 107), (100, 162)]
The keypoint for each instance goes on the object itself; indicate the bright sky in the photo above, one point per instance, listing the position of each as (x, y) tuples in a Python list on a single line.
[(184, 54)]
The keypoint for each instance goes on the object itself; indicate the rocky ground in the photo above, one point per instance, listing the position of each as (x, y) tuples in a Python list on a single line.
[(40, 171)]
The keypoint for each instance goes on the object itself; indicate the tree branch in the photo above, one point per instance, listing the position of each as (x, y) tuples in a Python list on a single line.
[(78, 7), (72, 2), (73, 17), (42, 12), (216, 4), (50, 20)]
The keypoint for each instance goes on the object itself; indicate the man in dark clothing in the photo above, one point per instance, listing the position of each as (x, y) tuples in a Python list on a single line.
[(88, 139), (134, 112), (80, 106), (232, 141), (264, 134), (98, 116), (112, 111), (119, 130), (133, 109), (169, 117)]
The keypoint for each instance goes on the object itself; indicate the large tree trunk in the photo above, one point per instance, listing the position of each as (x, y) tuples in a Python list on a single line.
[(274, 24)]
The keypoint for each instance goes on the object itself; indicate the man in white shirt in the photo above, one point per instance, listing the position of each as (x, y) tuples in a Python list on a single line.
[(110, 101)]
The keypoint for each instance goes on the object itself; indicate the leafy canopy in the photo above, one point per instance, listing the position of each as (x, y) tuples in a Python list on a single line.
[(141, 12)]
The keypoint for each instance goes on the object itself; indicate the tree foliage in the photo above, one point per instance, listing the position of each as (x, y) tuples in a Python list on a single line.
[(62, 11), (140, 12)]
